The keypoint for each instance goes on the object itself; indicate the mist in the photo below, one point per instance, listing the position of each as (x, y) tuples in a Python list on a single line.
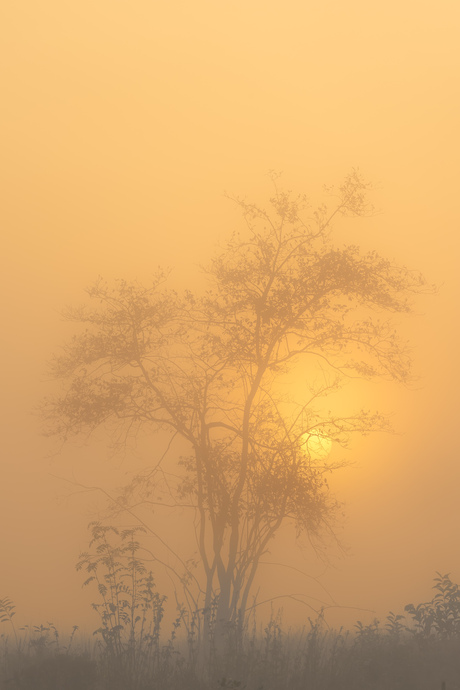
[(125, 129)]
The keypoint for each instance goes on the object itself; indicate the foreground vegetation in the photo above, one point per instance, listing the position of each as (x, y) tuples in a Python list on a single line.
[(132, 651)]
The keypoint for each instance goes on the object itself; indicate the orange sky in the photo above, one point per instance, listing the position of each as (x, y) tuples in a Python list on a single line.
[(122, 125)]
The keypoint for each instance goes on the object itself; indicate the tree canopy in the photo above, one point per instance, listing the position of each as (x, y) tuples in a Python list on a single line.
[(206, 366)]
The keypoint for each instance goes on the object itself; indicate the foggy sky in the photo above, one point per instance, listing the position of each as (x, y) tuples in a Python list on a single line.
[(123, 124)]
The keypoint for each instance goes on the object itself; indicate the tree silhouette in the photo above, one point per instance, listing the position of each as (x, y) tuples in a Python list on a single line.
[(207, 367)]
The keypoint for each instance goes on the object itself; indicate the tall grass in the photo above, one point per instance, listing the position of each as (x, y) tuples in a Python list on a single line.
[(134, 649), (313, 659)]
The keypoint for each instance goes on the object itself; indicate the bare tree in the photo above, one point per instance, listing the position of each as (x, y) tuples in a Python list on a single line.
[(207, 367)]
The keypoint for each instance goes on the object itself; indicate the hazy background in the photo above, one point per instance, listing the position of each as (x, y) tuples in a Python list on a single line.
[(122, 125)]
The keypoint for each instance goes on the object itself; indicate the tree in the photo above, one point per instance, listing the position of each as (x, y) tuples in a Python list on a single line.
[(207, 367)]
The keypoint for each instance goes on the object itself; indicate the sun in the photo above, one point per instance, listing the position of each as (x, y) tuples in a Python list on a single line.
[(316, 445)]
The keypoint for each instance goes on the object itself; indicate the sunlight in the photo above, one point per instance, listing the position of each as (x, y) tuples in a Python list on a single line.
[(316, 445)]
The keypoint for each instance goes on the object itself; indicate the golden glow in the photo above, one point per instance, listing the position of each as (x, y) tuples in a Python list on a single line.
[(317, 446), (123, 124)]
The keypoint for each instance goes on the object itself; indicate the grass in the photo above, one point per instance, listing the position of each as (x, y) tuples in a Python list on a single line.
[(134, 649), (368, 658)]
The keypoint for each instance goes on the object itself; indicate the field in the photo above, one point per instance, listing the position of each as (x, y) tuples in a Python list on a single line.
[(419, 650)]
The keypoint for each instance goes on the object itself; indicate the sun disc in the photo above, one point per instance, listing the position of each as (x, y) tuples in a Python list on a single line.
[(316, 445)]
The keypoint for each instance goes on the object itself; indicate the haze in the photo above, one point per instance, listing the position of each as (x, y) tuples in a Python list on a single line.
[(122, 127)]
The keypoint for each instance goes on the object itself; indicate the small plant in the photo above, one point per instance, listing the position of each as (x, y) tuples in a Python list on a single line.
[(441, 616), (7, 611), (131, 610), (395, 626), (367, 634)]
